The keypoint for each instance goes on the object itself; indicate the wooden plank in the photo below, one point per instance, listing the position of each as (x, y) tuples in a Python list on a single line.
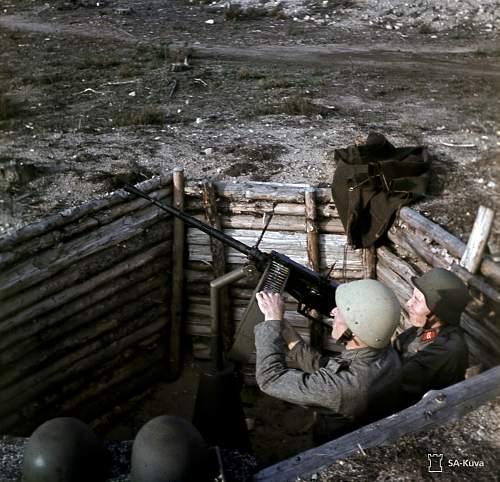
[(51, 339), (415, 243), (72, 214), (99, 282), (98, 262), (229, 208), (176, 308), (397, 264), (75, 363), (435, 409), (39, 268), (488, 267), (473, 254)]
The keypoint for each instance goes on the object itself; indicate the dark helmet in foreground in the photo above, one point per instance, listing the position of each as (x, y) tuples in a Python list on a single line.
[(169, 449), (370, 310), (64, 450), (446, 295)]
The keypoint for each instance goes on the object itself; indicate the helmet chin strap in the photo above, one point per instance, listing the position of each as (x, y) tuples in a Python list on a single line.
[(348, 335), (431, 319)]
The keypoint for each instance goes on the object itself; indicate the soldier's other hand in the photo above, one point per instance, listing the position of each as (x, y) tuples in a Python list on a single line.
[(271, 305)]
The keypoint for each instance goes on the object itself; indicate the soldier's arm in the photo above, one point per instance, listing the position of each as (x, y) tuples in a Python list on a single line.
[(324, 388)]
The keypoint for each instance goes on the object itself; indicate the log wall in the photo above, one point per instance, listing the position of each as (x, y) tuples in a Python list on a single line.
[(243, 209), (84, 299), (417, 245)]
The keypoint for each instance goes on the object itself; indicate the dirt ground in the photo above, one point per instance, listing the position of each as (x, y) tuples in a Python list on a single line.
[(97, 93), (94, 93)]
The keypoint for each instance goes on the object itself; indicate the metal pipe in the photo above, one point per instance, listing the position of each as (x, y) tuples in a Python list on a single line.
[(215, 286)]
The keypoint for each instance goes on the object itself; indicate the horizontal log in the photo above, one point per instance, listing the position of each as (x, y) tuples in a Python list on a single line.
[(29, 354), (76, 363), (266, 191), (72, 214), (479, 353), (392, 280), (87, 268), (229, 207), (38, 269), (435, 409), (397, 264), (60, 370), (99, 283), (66, 233), (132, 373), (488, 339), (415, 243), (145, 348), (488, 267), (332, 247), (278, 223), (58, 403)]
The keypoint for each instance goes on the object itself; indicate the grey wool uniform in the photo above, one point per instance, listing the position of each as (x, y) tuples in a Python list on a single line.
[(351, 389), (431, 362)]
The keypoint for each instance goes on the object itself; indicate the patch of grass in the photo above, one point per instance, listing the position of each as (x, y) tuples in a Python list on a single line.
[(244, 73), (149, 115), (487, 53), (49, 78), (426, 29), (236, 13), (126, 71), (292, 106), (295, 29), (8, 108), (274, 83), (98, 62)]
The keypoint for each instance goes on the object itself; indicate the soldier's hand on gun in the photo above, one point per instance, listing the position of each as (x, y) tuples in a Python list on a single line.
[(271, 305)]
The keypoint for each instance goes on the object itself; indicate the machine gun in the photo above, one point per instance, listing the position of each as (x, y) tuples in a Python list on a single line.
[(280, 273)]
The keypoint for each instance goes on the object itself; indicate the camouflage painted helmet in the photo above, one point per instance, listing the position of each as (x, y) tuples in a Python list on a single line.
[(370, 310), (446, 295), (169, 448), (64, 450)]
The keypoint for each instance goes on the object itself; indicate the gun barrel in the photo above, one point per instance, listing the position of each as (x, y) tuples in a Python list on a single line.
[(251, 252)]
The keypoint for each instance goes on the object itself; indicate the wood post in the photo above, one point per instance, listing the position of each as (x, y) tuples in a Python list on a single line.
[(176, 312), (316, 330), (370, 262), (218, 251), (473, 254), (488, 267)]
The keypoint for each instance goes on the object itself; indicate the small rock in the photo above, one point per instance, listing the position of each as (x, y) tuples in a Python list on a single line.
[(208, 151)]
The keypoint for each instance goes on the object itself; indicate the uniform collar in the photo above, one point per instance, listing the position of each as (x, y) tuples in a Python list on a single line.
[(367, 352)]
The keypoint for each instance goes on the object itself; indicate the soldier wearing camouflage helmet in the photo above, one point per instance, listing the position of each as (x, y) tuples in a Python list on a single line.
[(350, 389), (433, 351)]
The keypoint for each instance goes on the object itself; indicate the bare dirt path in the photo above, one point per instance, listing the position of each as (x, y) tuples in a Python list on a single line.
[(396, 57)]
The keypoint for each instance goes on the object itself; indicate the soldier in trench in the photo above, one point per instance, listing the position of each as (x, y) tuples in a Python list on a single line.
[(433, 351), (349, 390)]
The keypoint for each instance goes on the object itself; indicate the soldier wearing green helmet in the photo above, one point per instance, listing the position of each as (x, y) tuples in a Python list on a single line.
[(348, 390), (433, 351)]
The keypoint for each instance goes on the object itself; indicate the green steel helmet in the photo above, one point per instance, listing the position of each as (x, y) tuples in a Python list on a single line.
[(370, 310), (64, 450), (169, 448), (445, 294)]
